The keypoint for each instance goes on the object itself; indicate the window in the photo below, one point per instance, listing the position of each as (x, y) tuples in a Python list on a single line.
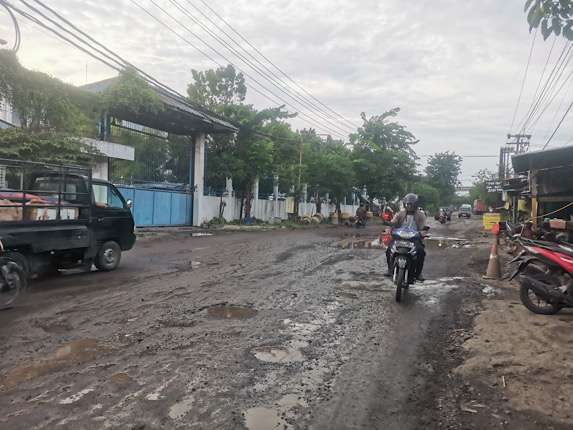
[(107, 196)]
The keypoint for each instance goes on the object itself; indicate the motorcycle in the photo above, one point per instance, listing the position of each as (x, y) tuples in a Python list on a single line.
[(13, 279), (360, 222), (545, 271), (403, 255), (442, 219)]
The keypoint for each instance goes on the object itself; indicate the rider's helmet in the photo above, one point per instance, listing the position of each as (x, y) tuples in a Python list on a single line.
[(411, 199)]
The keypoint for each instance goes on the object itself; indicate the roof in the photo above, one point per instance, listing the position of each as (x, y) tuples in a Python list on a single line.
[(181, 116), (545, 159)]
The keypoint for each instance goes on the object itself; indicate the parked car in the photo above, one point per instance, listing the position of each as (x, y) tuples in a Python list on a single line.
[(446, 209), (465, 210)]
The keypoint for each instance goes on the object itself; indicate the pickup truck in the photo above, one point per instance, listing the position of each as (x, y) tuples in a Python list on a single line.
[(57, 217)]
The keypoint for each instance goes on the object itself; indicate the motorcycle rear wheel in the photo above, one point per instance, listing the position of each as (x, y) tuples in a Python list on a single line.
[(399, 283), (536, 304)]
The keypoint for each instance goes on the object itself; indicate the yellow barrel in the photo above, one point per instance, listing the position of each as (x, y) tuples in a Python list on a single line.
[(333, 218), (318, 217), (369, 216), (345, 219), (306, 219)]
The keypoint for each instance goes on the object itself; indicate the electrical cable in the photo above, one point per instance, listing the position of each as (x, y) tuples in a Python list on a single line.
[(558, 125), (354, 127), (256, 50), (286, 89), (185, 40), (523, 82)]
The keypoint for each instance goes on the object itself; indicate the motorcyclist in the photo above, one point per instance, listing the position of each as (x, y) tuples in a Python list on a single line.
[(411, 218), (361, 213)]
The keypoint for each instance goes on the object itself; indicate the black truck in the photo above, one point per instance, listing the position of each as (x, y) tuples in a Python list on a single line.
[(57, 217)]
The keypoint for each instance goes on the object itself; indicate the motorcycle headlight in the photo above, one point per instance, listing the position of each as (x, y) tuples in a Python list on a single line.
[(407, 234)]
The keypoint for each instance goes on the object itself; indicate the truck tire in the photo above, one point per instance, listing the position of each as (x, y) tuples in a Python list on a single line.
[(108, 256), (12, 282)]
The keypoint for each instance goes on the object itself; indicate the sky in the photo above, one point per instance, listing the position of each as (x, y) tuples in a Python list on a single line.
[(464, 74)]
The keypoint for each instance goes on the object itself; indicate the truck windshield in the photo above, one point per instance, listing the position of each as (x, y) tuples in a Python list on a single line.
[(105, 195)]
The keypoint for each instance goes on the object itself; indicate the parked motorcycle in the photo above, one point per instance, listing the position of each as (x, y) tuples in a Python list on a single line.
[(403, 255), (360, 222), (12, 282), (545, 271)]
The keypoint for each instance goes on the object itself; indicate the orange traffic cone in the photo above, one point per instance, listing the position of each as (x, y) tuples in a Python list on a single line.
[(493, 268)]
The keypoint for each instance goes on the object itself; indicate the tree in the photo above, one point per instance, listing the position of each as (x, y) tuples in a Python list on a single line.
[(131, 92), (442, 173), (46, 146), (479, 191), (382, 155), (331, 169), (555, 16), (252, 148), (428, 196), (46, 103), (217, 88)]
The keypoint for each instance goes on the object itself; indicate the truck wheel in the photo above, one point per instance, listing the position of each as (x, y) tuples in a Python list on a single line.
[(108, 256), (12, 282)]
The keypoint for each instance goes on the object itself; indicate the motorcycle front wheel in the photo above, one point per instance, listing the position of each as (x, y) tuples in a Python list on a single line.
[(399, 283), (535, 303)]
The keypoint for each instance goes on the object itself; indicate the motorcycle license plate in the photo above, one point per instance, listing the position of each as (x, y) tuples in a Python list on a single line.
[(403, 243)]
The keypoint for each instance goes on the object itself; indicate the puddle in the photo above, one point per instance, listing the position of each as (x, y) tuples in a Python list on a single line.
[(347, 295), (280, 354), (264, 419), (361, 286), (185, 263), (435, 243), (179, 410), (119, 377), (76, 397), (146, 259), (201, 234), (230, 312), (56, 329), (67, 355)]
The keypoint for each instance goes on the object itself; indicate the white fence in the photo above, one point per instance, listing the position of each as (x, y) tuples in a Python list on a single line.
[(266, 210)]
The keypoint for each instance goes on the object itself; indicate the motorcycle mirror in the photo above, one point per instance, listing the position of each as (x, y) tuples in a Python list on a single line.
[(425, 228)]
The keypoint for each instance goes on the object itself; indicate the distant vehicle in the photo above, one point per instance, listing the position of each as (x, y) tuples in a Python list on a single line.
[(479, 207), (447, 210), (465, 210)]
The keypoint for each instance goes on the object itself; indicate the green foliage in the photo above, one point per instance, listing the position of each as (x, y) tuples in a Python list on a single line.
[(382, 156), (332, 170), (428, 196), (217, 221), (442, 173), (217, 88), (479, 192), (46, 103), (555, 17), (131, 92), (46, 146)]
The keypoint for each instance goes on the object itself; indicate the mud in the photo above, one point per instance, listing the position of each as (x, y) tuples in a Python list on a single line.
[(283, 329)]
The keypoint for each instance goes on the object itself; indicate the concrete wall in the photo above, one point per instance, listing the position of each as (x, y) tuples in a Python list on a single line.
[(266, 210)]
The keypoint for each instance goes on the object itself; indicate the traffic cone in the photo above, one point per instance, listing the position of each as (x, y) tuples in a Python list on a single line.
[(493, 268)]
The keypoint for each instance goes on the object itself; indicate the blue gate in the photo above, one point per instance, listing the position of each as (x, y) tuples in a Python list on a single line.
[(159, 207)]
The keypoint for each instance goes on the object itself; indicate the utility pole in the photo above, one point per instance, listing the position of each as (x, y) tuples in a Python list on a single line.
[(519, 145)]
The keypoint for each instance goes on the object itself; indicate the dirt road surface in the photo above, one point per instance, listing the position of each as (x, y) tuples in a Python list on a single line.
[(285, 329)]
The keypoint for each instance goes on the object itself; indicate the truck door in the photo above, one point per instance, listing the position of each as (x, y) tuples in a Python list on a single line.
[(111, 218)]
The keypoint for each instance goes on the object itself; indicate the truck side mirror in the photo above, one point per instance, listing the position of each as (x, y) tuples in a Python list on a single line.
[(129, 203)]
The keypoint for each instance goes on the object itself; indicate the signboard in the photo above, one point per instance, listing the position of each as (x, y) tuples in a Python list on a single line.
[(493, 186), (290, 205), (489, 219)]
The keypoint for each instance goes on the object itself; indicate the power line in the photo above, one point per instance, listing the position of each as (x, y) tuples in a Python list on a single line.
[(558, 125), (216, 62), (288, 91), (523, 82)]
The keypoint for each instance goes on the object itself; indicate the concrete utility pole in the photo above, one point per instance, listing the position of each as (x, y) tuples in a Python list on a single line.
[(519, 145)]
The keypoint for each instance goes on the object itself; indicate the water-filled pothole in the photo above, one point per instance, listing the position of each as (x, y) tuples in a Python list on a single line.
[(225, 311)]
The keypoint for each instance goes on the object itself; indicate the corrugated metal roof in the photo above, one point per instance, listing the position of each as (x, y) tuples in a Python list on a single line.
[(212, 123), (548, 158)]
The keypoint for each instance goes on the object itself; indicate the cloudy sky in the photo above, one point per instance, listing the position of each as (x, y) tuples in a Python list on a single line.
[(455, 68)]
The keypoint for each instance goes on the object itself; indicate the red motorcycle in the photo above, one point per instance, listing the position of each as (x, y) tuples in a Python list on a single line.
[(545, 272)]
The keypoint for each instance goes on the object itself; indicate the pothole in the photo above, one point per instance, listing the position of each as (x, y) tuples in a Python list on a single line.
[(225, 311), (280, 354)]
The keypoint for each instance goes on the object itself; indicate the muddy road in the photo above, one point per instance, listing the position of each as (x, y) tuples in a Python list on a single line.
[(247, 330)]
